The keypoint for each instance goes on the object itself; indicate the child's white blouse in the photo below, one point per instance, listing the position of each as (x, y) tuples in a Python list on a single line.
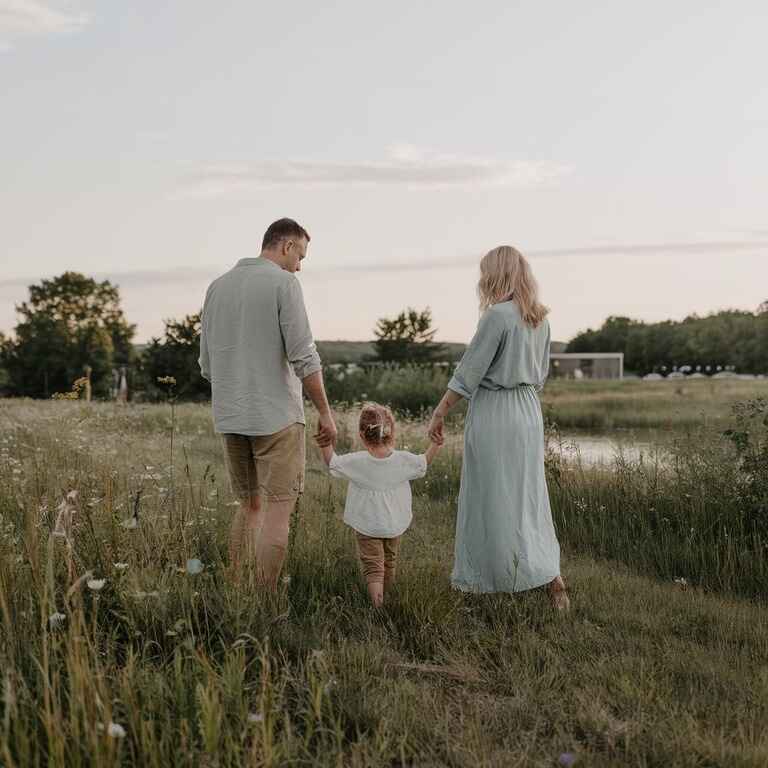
[(379, 492)]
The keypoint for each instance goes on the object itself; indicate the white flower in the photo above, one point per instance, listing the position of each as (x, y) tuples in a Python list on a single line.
[(56, 620), (96, 584), (255, 717), (194, 566), (131, 522), (116, 731), (120, 566)]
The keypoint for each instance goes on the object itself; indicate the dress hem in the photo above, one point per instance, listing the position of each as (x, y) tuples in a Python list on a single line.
[(473, 589)]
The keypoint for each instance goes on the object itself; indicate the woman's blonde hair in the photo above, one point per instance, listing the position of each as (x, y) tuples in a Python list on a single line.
[(506, 274), (377, 424)]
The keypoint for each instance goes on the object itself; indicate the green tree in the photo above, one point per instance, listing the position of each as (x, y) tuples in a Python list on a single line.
[(69, 322), (409, 337), (728, 338), (176, 355)]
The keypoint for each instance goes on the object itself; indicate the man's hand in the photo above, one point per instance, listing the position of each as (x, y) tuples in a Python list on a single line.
[(326, 430)]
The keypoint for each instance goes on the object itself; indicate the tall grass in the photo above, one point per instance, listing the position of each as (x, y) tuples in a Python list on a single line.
[(163, 666), (596, 406), (676, 514), (600, 406)]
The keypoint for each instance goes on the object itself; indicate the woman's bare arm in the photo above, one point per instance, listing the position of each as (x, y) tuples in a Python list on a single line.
[(435, 428)]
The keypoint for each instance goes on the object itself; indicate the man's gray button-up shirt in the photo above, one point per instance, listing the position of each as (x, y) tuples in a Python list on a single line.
[(255, 347)]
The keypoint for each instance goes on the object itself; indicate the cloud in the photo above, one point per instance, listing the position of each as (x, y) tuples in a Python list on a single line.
[(15, 288), (34, 18), (403, 165), (627, 249)]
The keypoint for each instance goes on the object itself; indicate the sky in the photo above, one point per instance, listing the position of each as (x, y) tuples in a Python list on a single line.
[(621, 146)]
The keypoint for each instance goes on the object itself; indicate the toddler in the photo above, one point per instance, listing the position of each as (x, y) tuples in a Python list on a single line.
[(378, 505)]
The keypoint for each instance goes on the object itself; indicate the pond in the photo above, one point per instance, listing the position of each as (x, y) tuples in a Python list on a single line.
[(603, 449)]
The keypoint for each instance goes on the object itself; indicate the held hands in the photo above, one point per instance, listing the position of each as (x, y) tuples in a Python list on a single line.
[(435, 429), (326, 430)]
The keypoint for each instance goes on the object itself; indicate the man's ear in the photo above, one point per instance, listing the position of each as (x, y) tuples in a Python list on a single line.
[(287, 246)]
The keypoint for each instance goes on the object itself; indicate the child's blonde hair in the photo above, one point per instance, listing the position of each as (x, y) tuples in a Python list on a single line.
[(377, 424)]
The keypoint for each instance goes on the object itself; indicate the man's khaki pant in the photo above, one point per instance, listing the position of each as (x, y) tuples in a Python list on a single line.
[(267, 475)]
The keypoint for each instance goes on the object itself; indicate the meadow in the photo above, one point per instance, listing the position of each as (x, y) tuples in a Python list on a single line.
[(122, 642), (593, 406)]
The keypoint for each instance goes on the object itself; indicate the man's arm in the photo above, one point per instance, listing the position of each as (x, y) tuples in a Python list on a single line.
[(204, 360), (326, 426), (327, 451), (302, 355)]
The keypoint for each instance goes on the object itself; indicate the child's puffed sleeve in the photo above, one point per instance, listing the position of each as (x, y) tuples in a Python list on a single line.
[(414, 466), (338, 467)]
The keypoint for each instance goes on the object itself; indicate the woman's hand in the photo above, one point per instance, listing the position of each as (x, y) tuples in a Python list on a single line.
[(435, 428)]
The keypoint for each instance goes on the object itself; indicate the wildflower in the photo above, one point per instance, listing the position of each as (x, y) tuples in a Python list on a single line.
[(682, 582), (120, 566), (63, 527), (116, 731), (255, 717), (131, 522), (194, 566), (567, 759), (55, 620), (96, 584)]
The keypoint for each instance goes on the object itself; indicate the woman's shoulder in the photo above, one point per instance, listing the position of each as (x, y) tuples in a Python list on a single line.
[(505, 313), (509, 312)]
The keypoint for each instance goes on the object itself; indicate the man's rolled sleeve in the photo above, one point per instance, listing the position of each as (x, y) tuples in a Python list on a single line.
[(204, 360), (300, 347)]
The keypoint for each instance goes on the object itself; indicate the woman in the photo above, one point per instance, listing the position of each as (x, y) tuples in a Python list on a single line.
[(505, 539)]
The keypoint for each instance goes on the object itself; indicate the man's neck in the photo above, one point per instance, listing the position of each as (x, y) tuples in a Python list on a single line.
[(269, 256)]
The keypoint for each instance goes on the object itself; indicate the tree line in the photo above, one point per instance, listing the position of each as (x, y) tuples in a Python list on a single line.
[(73, 325), (726, 339)]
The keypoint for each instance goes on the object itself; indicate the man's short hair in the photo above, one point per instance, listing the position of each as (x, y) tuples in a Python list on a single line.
[(282, 229)]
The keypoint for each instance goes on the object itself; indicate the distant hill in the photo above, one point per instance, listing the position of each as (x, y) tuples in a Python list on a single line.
[(357, 351)]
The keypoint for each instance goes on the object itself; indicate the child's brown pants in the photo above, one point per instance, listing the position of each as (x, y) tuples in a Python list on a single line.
[(378, 558)]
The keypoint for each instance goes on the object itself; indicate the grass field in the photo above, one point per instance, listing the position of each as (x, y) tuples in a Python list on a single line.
[(164, 666), (632, 404), (594, 406)]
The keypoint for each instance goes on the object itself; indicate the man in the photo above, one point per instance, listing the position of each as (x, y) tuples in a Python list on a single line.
[(256, 349)]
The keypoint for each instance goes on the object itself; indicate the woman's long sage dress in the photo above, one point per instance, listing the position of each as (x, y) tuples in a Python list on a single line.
[(505, 539)]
